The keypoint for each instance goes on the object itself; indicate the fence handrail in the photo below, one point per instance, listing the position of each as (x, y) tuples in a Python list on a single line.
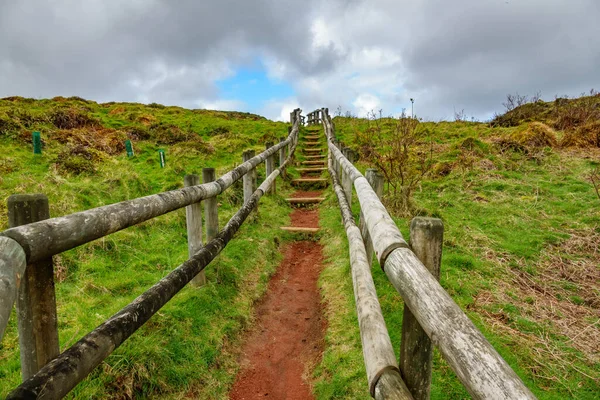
[(49, 237), (378, 352), (44, 239), (64, 372), (483, 372)]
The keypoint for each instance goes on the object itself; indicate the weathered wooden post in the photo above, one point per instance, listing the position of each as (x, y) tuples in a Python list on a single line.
[(336, 165), (254, 172), (282, 157), (247, 179), (292, 142), (36, 299), (426, 238), (281, 152), (193, 221), (211, 212), (340, 146), (375, 179), (346, 181), (270, 167)]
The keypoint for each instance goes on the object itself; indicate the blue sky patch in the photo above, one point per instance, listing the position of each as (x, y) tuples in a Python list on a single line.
[(253, 87)]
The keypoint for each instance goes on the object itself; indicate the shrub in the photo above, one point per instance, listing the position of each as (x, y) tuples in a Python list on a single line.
[(76, 159), (533, 136), (571, 114), (138, 133), (167, 134), (71, 118), (585, 136), (398, 149), (8, 127), (109, 141)]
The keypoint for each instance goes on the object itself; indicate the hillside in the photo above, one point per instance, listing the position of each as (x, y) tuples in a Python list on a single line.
[(83, 165), (521, 247)]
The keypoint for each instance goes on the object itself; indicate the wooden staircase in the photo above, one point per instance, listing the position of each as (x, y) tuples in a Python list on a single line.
[(313, 165)]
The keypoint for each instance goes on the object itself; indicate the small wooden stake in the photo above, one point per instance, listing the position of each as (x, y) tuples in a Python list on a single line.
[(36, 300), (416, 349), (193, 220), (211, 212)]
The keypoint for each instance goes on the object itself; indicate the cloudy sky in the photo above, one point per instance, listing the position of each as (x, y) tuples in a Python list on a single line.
[(270, 56)]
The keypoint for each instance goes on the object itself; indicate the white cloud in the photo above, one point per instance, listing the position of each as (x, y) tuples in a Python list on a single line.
[(365, 103), (279, 109), (222, 105)]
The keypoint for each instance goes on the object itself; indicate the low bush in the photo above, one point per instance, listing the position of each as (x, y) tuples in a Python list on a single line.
[(71, 118)]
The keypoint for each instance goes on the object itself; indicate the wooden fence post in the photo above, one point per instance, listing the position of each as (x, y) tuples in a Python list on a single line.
[(211, 213), (346, 180), (282, 156), (375, 179), (248, 178), (270, 167), (36, 300), (426, 238), (193, 221), (290, 144)]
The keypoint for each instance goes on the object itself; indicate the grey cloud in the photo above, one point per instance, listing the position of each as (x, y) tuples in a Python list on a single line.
[(465, 54), (97, 49), (484, 50)]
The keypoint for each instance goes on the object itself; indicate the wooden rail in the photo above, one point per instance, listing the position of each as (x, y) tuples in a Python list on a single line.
[(23, 248), (314, 118), (480, 368), (377, 347)]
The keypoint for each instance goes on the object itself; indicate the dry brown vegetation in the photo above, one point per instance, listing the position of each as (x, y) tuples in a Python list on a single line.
[(561, 298), (578, 118)]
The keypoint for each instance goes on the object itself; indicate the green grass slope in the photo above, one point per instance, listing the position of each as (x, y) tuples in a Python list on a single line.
[(189, 348), (521, 257)]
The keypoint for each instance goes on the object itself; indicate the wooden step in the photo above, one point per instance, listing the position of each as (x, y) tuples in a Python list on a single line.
[(311, 138), (314, 169), (299, 229), (314, 156), (300, 181), (312, 143), (313, 162), (312, 150), (305, 200)]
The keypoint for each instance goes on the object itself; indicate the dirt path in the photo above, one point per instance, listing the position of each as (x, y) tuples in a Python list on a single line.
[(287, 340)]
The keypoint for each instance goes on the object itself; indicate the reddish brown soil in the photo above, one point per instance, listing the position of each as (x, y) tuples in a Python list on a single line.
[(287, 339), (305, 218)]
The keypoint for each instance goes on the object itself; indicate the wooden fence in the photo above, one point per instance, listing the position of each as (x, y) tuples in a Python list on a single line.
[(431, 316), (26, 271), (314, 118)]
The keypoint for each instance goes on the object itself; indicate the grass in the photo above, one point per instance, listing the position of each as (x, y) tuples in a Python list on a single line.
[(520, 257), (521, 254), (189, 348)]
